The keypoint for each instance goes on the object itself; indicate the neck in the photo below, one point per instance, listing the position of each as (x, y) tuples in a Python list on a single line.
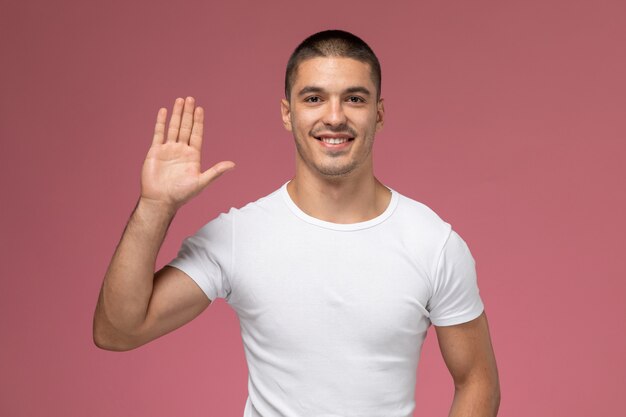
[(350, 199)]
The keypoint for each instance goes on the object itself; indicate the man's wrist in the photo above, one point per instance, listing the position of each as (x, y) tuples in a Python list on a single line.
[(152, 209)]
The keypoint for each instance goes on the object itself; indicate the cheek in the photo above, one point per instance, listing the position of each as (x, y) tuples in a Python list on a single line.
[(364, 117), (367, 124), (302, 125)]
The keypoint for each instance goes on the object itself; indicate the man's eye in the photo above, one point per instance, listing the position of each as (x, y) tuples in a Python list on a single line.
[(313, 99), (355, 99)]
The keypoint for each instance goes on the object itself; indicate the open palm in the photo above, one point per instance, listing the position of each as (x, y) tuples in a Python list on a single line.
[(171, 173)]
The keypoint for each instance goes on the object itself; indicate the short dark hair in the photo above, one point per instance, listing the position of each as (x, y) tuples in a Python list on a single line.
[(336, 43)]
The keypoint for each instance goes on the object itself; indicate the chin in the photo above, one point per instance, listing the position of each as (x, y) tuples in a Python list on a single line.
[(336, 171)]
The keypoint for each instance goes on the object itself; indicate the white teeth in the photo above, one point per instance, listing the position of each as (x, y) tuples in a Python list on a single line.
[(334, 141)]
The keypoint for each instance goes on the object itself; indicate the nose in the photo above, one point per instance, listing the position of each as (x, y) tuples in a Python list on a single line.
[(334, 114)]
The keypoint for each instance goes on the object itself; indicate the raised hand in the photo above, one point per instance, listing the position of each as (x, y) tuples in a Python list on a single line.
[(171, 173)]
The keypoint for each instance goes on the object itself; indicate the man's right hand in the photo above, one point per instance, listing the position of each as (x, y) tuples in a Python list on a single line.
[(171, 173), (137, 305)]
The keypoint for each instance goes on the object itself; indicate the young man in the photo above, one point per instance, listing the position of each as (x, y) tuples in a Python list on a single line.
[(335, 277)]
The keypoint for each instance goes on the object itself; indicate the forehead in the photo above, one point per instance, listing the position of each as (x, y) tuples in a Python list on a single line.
[(333, 71)]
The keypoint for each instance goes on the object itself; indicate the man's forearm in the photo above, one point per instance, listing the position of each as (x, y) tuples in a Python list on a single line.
[(479, 399), (128, 282)]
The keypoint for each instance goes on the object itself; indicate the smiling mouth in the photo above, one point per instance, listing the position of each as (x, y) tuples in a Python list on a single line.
[(333, 141)]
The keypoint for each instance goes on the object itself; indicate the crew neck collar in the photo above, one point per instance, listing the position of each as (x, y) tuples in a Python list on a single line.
[(339, 226)]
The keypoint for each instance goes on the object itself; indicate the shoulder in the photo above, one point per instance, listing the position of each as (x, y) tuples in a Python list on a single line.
[(421, 230), (420, 219), (251, 212)]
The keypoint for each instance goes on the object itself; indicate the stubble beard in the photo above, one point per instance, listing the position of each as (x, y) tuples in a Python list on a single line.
[(334, 171)]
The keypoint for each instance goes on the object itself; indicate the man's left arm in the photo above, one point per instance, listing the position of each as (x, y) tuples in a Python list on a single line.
[(468, 354)]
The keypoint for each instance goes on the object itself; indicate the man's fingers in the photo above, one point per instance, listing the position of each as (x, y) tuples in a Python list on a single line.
[(159, 128), (172, 131), (214, 172), (198, 126), (187, 121)]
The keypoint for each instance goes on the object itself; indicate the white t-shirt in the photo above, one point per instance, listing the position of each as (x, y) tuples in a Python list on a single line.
[(333, 316)]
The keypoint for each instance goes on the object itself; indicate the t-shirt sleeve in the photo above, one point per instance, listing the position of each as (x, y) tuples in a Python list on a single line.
[(455, 298), (206, 256)]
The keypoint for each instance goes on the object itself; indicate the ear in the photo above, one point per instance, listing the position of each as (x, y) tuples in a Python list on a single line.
[(285, 110), (380, 115)]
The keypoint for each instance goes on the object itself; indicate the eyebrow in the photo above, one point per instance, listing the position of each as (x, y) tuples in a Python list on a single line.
[(350, 90)]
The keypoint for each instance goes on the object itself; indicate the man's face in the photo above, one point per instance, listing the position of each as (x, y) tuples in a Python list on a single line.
[(334, 115)]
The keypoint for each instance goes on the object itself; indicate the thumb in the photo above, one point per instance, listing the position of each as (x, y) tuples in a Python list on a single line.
[(214, 172)]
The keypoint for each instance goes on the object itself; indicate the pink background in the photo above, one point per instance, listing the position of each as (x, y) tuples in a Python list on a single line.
[(507, 119)]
